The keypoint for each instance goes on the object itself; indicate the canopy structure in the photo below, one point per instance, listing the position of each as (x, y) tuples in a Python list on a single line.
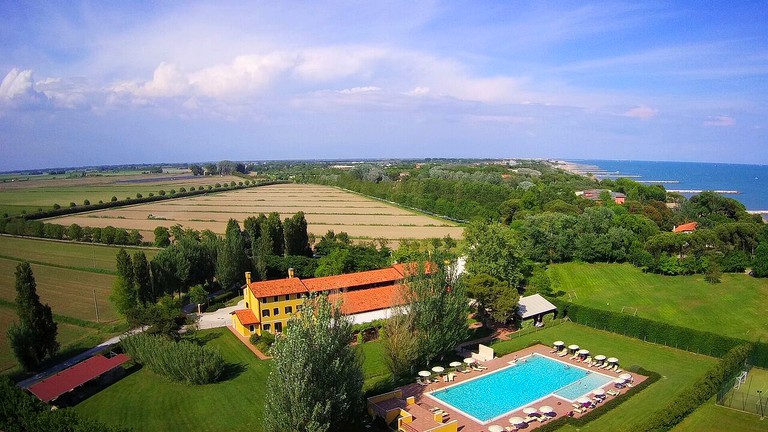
[(495, 428), (69, 379), (583, 351), (438, 369), (619, 381), (625, 376), (530, 410), (598, 392), (425, 373), (558, 343), (612, 360), (455, 364), (530, 306), (573, 347), (600, 357), (469, 360), (583, 400)]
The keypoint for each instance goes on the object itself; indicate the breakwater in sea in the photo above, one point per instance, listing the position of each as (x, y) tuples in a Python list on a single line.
[(746, 183)]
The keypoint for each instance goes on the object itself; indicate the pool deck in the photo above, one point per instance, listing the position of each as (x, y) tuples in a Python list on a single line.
[(466, 424)]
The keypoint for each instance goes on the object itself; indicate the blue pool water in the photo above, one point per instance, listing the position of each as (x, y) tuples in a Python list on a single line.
[(506, 390)]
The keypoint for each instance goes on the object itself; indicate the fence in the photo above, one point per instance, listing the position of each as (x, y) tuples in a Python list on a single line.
[(749, 396)]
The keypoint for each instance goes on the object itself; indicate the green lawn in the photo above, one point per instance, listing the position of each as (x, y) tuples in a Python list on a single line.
[(714, 418), (736, 307), (678, 368), (147, 402)]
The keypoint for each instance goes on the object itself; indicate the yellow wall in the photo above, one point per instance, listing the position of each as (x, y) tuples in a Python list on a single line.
[(243, 330), (257, 305)]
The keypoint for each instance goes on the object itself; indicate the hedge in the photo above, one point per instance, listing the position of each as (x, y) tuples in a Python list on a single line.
[(684, 338), (701, 391), (605, 407)]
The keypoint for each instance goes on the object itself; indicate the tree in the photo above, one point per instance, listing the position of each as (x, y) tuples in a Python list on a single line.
[(438, 303), (162, 236), (760, 266), (495, 298), (124, 294), (400, 346), (198, 295), (295, 235), (142, 278), (494, 249), (273, 231), (231, 260), (196, 169), (33, 338), (316, 380)]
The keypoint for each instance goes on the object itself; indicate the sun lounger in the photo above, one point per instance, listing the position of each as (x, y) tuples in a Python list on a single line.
[(451, 376), (466, 370), (563, 353), (529, 419), (588, 360), (481, 367), (613, 392), (510, 429), (573, 357), (619, 370)]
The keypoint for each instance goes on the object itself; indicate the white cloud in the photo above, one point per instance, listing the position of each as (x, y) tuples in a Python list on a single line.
[(642, 112), (418, 91), (720, 121), (360, 90)]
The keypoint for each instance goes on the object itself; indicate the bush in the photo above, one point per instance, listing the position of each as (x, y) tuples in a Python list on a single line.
[(86, 202), (139, 195), (161, 192), (178, 361), (264, 342), (71, 204), (56, 206)]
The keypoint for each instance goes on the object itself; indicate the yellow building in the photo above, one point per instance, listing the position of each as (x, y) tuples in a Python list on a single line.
[(269, 304)]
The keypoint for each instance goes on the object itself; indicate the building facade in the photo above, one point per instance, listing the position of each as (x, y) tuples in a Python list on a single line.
[(365, 296)]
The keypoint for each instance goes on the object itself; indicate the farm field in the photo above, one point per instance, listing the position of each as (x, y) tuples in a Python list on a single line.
[(736, 307), (90, 257), (66, 275), (325, 208), (45, 192)]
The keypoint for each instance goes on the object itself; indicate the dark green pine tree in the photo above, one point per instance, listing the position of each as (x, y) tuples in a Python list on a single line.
[(33, 338), (143, 279)]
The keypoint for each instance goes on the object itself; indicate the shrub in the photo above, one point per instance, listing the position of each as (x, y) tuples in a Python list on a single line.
[(182, 190), (114, 198), (264, 342), (139, 195), (86, 202), (173, 192), (151, 194), (56, 206), (161, 192), (71, 204), (178, 361)]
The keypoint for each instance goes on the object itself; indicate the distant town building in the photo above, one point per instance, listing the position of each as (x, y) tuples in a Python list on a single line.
[(594, 195), (686, 228)]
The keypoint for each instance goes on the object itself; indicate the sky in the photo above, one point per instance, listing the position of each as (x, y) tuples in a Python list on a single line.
[(114, 82)]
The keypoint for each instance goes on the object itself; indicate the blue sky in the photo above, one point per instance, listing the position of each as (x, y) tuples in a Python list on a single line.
[(114, 82)]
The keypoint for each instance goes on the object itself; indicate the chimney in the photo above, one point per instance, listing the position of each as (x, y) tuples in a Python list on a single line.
[(248, 278), (290, 272)]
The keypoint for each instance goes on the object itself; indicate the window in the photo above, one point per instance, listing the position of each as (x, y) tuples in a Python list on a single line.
[(288, 309), (265, 327), (279, 327), (298, 307), (265, 312), (277, 298), (246, 305), (251, 328), (276, 311)]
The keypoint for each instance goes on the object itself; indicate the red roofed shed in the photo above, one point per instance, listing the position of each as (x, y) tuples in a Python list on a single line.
[(69, 379)]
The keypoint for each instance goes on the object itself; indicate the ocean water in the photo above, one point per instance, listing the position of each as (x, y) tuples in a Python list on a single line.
[(750, 181)]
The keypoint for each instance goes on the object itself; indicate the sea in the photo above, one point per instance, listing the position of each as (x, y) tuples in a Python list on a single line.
[(746, 183)]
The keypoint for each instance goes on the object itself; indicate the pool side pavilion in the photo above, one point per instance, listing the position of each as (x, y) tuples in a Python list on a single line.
[(535, 307)]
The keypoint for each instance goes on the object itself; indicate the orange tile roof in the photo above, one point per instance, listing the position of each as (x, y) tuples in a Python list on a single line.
[(412, 268), (277, 287), (246, 317), (690, 226), (351, 280), (371, 299)]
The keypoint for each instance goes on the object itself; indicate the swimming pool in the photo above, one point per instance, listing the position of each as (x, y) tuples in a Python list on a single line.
[(492, 395)]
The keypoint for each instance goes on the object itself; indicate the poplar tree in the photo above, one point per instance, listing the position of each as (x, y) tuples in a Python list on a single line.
[(124, 295), (231, 259), (142, 278), (296, 237), (33, 338), (316, 381)]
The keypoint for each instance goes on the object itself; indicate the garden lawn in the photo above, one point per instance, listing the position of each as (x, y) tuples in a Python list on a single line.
[(146, 402), (678, 368), (89, 257), (735, 307)]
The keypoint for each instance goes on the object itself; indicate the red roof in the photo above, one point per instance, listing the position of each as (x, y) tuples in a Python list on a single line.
[(351, 280), (690, 226), (277, 287), (246, 317), (371, 299), (79, 374), (412, 268)]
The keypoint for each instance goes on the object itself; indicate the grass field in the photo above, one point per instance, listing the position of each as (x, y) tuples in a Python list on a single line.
[(89, 257), (325, 208), (736, 307), (752, 394), (146, 402), (712, 417), (44, 192)]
